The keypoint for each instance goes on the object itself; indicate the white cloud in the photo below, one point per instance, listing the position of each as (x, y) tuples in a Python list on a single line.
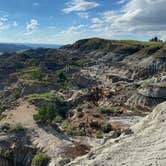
[(122, 1), (32, 25), (3, 24), (51, 17), (97, 24), (15, 24), (35, 4), (79, 5), (142, 17), (97, 21), (137, 19), (4, 19), (73, 30), (73, 33), (83, 15)]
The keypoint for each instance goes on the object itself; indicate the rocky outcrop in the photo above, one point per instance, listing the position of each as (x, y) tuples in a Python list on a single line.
[(149, 96), (117, 78), (147, 146), (141, 100), (133, 60), (16, 149), (155, 91)]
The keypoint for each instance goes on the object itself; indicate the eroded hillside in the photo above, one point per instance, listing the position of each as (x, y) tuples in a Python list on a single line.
[(64, 102)]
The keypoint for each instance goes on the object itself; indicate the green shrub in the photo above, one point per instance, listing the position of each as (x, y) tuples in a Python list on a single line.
[(145, 84), (5, 127), (37, 75), (80, 132), (46, 96), (64, 124), (99, 134), (12, 128), (105, 110), (64, 77), (16, 94), (70, 130), (79, 108), (58, 118), (3, 106), (46, 113), (106, 127), (37, 117), (17, 127), (40, 159), (31, 73)]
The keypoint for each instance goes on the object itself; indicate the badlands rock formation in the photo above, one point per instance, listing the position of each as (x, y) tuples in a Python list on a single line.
[(81, 97), (147, 146)]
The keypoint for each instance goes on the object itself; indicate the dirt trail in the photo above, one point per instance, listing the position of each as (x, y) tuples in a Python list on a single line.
[(22, 114)]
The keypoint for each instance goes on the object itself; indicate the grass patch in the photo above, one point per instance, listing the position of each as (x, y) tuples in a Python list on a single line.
[(64, 77), (40, 159), (16, 94), (45, 96), (72, 131), (99, 134), (3, 106), (58, 119), (17, 127), (6, 127), (80, 108), (107, 110), (34, 74), (83, 130), (97, 43)]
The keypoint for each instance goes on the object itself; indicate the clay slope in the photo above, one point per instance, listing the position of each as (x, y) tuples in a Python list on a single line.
[(147, 146)]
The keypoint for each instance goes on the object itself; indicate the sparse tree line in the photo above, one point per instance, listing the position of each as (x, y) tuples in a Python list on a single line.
[(155, 39)]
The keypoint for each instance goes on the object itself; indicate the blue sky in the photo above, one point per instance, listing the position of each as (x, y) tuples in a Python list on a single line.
[(65, 21)]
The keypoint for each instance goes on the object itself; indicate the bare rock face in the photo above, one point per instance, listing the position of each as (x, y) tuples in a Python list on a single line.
[(156, 91), (141, 100), (149, 96), (15, 149), (147, 146), (83, 81)]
